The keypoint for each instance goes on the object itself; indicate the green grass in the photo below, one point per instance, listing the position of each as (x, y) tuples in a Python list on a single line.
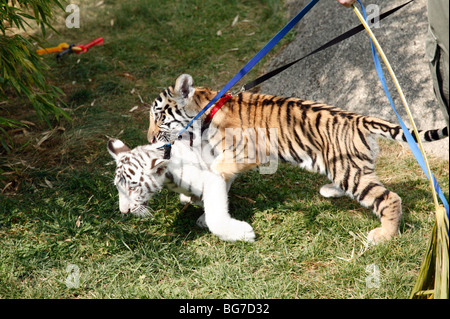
[(60, 208)]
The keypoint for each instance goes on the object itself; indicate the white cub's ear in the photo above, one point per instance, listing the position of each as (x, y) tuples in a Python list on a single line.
[(115, 147), (184, 87), (158, 166)]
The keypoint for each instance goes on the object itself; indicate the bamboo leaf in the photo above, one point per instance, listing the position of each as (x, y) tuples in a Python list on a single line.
[(20, 68), (433, 278)]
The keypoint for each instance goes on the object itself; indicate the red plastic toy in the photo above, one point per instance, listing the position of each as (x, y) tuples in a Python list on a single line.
[(84, 48)]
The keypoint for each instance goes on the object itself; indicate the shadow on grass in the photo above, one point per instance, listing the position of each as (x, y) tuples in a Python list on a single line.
[(294, 191)]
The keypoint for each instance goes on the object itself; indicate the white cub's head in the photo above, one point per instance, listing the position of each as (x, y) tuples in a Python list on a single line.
[(139, 174)]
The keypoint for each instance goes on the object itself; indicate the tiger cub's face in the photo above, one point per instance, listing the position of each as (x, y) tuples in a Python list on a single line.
[(139, 174), (170, 111)]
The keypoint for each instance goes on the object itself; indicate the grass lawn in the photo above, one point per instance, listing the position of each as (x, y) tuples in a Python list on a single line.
[(61, 233)]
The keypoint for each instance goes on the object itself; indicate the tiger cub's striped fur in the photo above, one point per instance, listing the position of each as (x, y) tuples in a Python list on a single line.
[(143, 171), (318, 137)]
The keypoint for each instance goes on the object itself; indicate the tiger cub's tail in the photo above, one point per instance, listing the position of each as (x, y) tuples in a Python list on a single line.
[(395, 132)]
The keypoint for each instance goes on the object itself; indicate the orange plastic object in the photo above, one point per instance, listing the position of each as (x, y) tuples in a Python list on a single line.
[(61, 47)]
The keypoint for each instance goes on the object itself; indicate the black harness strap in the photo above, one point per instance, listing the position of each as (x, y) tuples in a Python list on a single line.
[(167, 150)]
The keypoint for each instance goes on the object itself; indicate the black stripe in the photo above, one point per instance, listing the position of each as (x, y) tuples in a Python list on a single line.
[(240, 100), (293, 153), (434, 135), (260, 111), (169, 111), (298, 140), (366, 190), (290, 104), (381, 212), (268, 102), (318, 118), (363, 138), (241, 110), (394, 132), (346, 177), (256, 108), (282, 157), (312, 138), (356, 180), (379, 199)]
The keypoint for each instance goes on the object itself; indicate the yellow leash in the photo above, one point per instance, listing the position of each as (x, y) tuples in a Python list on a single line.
[(402, 96)]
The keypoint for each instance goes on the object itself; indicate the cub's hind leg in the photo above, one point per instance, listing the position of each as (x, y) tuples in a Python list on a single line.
[(386, 205)]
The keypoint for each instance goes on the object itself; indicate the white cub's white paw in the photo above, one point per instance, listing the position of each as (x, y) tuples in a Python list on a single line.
[(201, 222), (330, 190), (234, 230), (184, 199), (229, 230)]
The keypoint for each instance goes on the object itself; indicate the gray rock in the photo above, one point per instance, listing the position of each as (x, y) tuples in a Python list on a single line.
[(344, 75)]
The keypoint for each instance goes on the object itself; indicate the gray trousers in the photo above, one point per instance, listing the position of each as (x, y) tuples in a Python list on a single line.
[(437, 51)]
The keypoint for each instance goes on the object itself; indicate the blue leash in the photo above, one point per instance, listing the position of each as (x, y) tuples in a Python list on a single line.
[(254, 61), (412, 144)]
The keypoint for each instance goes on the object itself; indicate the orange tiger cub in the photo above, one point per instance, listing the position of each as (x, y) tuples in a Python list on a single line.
[(251, 129)]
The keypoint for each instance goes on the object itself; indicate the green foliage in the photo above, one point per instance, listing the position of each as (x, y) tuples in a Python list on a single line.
[(433, 279), (23, 73)]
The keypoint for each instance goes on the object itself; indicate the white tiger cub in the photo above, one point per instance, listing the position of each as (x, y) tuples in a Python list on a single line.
[(143, 171)]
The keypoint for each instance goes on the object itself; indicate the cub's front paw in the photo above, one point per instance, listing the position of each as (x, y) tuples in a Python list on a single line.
[(379, 235), (184, 199), (236, 230)]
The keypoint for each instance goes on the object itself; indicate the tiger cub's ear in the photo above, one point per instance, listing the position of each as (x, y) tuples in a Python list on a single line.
[(115, 147), (184, 88)]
